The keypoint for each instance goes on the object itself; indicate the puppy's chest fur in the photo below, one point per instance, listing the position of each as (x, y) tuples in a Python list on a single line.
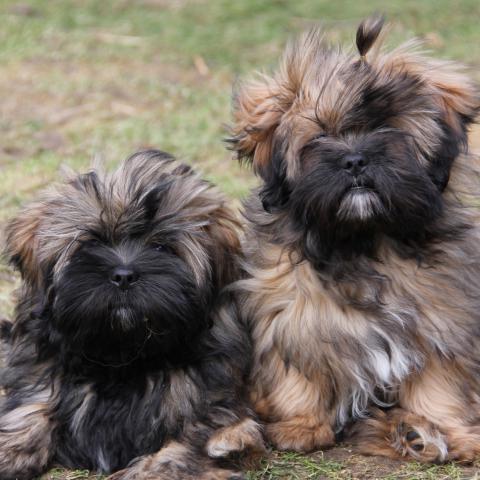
[(365, 333), (104, 426)]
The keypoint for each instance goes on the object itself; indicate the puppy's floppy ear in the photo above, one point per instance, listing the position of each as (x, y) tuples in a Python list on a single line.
[(22, 244), (258, 108), (262, 105), (459, 102), (258, 111), (459, 98)]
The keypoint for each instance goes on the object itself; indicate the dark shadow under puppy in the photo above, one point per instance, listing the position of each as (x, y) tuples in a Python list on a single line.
[(124, 357)]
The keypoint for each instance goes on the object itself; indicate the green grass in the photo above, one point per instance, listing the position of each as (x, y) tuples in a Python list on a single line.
[(61, 474), (295, 466), (342, 464), (85, 78)]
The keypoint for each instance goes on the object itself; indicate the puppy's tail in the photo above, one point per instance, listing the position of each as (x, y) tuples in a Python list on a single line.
[(367, 34)]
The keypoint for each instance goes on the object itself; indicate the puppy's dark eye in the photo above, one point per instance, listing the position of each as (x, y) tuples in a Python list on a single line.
[(92, 242), (161, 247)]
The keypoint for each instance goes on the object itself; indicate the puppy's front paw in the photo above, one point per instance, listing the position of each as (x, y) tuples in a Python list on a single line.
[(399, 434), (175, 461), (167, 474), (244, 436), (300, 436), (420, 440)]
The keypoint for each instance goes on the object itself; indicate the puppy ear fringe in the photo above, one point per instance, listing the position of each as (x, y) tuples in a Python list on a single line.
[(21, 242), (456, 94), (257, 113), (459, 98), (260, 104)]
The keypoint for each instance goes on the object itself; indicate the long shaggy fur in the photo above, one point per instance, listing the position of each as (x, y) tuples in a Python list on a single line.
[(145, 379), (362, 249)]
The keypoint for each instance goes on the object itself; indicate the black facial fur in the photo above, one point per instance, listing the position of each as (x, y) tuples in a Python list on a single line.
[(409, 200), (163, 309), (275, 192)]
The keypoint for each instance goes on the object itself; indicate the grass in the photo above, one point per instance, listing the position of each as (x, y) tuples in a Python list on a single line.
[(343, 464), (295, 466), (61, 474), (86, 78)]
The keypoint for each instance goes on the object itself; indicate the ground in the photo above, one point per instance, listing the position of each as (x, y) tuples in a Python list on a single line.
[(84, 79)]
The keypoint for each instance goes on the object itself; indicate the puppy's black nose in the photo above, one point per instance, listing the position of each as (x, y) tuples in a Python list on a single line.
[(123, 277), (354, 163)]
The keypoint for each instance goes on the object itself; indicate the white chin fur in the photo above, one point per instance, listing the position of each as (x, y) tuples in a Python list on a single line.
[(359, 205), (124, 318)]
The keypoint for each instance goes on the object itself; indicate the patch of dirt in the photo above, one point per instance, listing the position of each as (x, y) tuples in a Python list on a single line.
[(85, 95), (361, 466), (364, 467), (342, 463)]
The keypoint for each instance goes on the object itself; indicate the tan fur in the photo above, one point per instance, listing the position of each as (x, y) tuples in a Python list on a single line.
[(387, 328), (22, 240), (257, 116), (447, 396)]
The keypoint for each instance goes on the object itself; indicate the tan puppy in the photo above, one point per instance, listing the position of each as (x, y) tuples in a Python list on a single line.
[(363, 248)]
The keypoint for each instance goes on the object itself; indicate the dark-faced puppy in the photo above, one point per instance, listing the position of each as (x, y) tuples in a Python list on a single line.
[(363, 248), (124, 354)]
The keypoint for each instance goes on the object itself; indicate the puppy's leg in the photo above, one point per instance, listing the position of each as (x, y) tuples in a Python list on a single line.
[(399, 434), (242, 438), (295, 408), (448, 395), (233, 442), (26, 445), (175, 461), (438, 421)]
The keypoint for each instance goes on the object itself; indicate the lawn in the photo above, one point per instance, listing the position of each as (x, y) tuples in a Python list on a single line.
[(81, 79)]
